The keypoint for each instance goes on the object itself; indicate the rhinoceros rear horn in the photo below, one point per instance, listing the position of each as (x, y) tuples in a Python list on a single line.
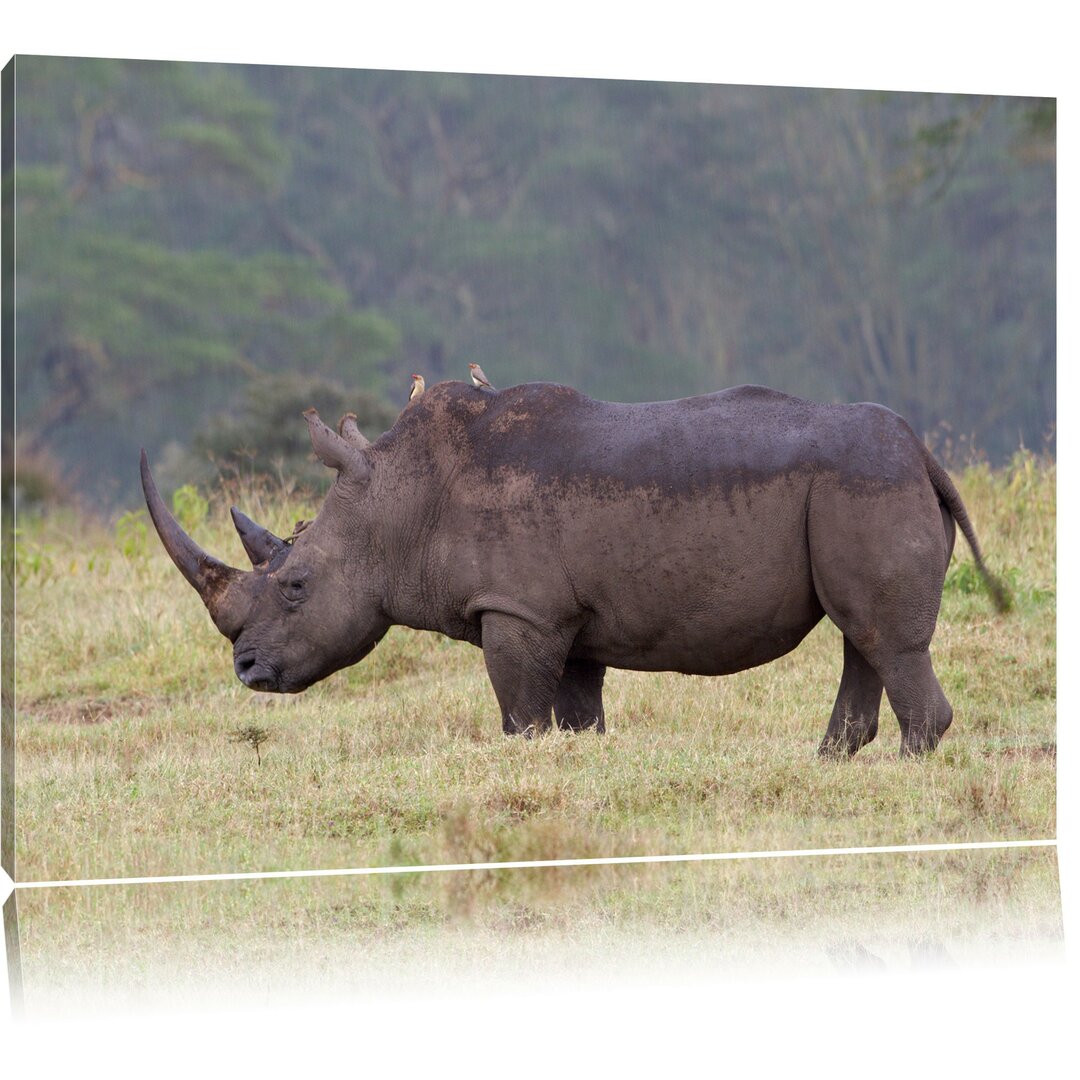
[(334, 451), (260, 544), (347, 428), (208, 576)]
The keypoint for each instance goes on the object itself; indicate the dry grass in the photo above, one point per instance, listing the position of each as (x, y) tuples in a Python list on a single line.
[(127, 701)]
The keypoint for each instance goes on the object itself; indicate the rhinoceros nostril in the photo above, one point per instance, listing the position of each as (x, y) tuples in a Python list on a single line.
[(253, 675)]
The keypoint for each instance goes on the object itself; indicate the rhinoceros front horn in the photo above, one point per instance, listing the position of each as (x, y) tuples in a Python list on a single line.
[(208, 576)]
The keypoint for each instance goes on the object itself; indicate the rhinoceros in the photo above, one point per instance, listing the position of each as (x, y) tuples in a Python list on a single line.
[(564, 536)]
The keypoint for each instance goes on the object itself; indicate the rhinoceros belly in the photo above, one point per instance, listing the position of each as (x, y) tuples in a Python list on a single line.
[(707, 586), (737, 632)]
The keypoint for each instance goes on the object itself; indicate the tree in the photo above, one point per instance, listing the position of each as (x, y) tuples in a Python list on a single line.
[(264, 432), (188, 233), (140, 282)]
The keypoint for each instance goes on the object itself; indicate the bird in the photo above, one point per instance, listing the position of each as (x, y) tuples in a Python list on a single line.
[(298, 528), (417, 387), (479, 378)]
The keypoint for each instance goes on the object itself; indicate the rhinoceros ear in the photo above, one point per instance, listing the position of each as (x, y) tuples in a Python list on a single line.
[(260, 544), (350, 432), (334, 451)]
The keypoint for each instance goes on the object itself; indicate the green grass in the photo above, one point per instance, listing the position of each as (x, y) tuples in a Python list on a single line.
[(127, 761)]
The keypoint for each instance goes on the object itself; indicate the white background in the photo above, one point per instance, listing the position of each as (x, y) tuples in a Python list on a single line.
[(999, 1022)]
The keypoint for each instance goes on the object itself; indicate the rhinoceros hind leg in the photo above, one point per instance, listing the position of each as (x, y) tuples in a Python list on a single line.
[(579, 700), (854, 720), (918, 701), (524, 664)]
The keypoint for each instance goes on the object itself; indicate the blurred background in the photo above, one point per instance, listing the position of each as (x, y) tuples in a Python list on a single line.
[(204, 250)]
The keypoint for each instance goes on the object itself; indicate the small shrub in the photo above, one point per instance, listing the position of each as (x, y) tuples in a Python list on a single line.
[(189, 507), (253, 736), (264, 430), (130, 532)]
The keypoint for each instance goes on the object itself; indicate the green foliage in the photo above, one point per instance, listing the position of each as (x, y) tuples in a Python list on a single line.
[(1021, 500), (965, 578), (35, 183), (1042, 117), (33, 562), (138, 279), (1027, 484), (216, 147), (189, 507), (943, 134), (130, 530)]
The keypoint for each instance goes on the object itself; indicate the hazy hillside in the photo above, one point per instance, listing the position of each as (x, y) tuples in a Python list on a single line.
[(186, 232)]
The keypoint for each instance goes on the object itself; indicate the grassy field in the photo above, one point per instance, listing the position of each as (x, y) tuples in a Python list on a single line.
[(229, 944), (127, 762)]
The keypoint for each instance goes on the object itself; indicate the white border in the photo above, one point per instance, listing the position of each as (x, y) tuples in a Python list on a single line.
[(990, 1022)]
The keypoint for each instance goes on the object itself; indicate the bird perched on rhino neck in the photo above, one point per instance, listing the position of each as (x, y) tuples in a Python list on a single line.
[(479, 378), (417, 387), (298, 528)]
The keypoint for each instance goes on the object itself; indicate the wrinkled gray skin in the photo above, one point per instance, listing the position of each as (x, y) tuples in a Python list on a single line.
[(564, 536)]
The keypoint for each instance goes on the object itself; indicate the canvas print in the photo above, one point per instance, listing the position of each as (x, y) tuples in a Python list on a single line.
[(421, 469)]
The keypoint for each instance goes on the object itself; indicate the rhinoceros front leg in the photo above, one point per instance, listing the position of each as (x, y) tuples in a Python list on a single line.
[(524, 663), (854, 720), (579, 700)]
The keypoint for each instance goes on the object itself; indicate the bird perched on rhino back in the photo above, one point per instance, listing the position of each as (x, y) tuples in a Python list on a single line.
[(417, 387), (479, 379)]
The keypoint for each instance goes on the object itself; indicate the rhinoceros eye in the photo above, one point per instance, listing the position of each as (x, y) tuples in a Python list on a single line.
[(293, 586)]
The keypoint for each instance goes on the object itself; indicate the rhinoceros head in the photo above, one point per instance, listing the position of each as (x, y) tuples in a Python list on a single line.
[(304, 610)]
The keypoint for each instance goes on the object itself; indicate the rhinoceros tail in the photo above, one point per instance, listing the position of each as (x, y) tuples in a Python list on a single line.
[(948, 494)]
